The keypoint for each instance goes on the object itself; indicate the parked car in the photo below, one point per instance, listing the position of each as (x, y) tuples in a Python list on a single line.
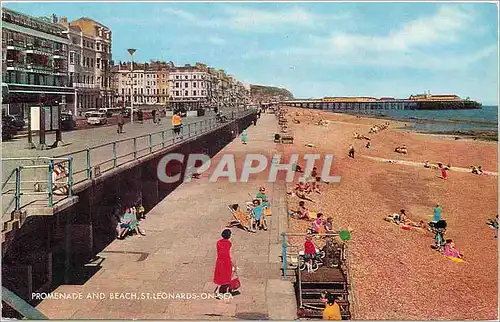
[(67, 122), (90, 112), (97, 118), (106, 111), (17, 121), (8, 128)]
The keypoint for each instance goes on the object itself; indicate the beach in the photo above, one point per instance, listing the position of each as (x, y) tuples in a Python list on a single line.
[(395, 273)]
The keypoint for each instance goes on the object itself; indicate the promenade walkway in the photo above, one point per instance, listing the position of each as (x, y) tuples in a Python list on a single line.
[(181, 232)]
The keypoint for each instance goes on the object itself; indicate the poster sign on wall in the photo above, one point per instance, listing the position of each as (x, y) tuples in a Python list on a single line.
[(47, 117), (55, 118), (35, 118)]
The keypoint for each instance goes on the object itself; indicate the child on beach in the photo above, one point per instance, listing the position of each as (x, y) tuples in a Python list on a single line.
[(302, 212), (317, 226), (351, 151), (329, 226), (309, 253), (450, 250)]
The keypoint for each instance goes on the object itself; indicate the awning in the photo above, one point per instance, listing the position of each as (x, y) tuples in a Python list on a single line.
[(40, 92)]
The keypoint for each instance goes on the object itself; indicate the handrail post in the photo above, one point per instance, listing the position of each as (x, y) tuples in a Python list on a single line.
[(150, 143), (135, 148), (51, 170), (114, 154), (284, 254), (21, 306), (70, 176), (189, 130), (89, 168), (162, 139), (18, 188)]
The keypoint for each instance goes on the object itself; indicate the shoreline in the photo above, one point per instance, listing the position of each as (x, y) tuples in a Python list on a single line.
[(487, 134)]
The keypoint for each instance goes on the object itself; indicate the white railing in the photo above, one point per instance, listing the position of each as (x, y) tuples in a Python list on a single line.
[(83, 85)]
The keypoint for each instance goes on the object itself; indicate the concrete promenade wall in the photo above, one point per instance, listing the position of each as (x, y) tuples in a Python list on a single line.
[(44, 250)]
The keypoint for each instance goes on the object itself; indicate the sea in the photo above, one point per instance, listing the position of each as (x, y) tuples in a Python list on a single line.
[(437, 121)]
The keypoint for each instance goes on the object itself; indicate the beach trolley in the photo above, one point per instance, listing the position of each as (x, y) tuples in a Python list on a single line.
[(310, 286), (332, 276)]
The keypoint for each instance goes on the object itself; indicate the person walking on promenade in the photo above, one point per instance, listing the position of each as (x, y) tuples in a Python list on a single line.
[(255, 119), (177, 124), (351, 151), (140, 116), (120, 123), (154, 115), (258, 113), (224, 265), (244, 137)]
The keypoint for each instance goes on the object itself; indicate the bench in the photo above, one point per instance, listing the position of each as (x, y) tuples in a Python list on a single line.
[(287, 138)]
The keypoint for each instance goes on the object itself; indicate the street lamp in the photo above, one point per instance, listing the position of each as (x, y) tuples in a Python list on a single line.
[(131, 51)]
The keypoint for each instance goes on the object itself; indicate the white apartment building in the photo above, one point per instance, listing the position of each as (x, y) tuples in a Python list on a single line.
[(189, 83)]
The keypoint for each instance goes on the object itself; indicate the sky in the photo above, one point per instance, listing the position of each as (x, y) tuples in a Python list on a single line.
[(312, 49)]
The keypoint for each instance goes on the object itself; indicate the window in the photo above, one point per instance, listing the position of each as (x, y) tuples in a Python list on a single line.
[(177, 77), (147, 91), (98, 46), (176, 85), (135, 91), (194, 76), (176, 93), (163, 91), (142, 91), (194, 84), (98, 62), (186, 77), (72, 58), (194, 93), (186, 85), (123, 91), (186, 93)]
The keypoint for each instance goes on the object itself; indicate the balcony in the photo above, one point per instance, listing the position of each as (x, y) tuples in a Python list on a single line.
[(15, 45), (83, 85)]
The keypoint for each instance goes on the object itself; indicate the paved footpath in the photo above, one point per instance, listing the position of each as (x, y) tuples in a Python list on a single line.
[(181, 233)]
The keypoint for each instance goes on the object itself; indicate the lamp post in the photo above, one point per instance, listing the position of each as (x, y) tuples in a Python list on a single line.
[(131, 51)]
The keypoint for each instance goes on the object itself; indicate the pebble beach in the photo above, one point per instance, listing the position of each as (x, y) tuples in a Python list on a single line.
[(395, 273)]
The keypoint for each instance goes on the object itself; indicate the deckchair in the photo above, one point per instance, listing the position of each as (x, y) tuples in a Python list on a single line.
[(240, 218)]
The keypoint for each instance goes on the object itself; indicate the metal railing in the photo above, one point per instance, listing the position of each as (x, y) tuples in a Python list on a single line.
[(15, 185), (88, 163), (21, 306), (93, 161), (286, 254)]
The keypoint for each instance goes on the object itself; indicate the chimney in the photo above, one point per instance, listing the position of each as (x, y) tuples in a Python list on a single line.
[(54, 18)]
